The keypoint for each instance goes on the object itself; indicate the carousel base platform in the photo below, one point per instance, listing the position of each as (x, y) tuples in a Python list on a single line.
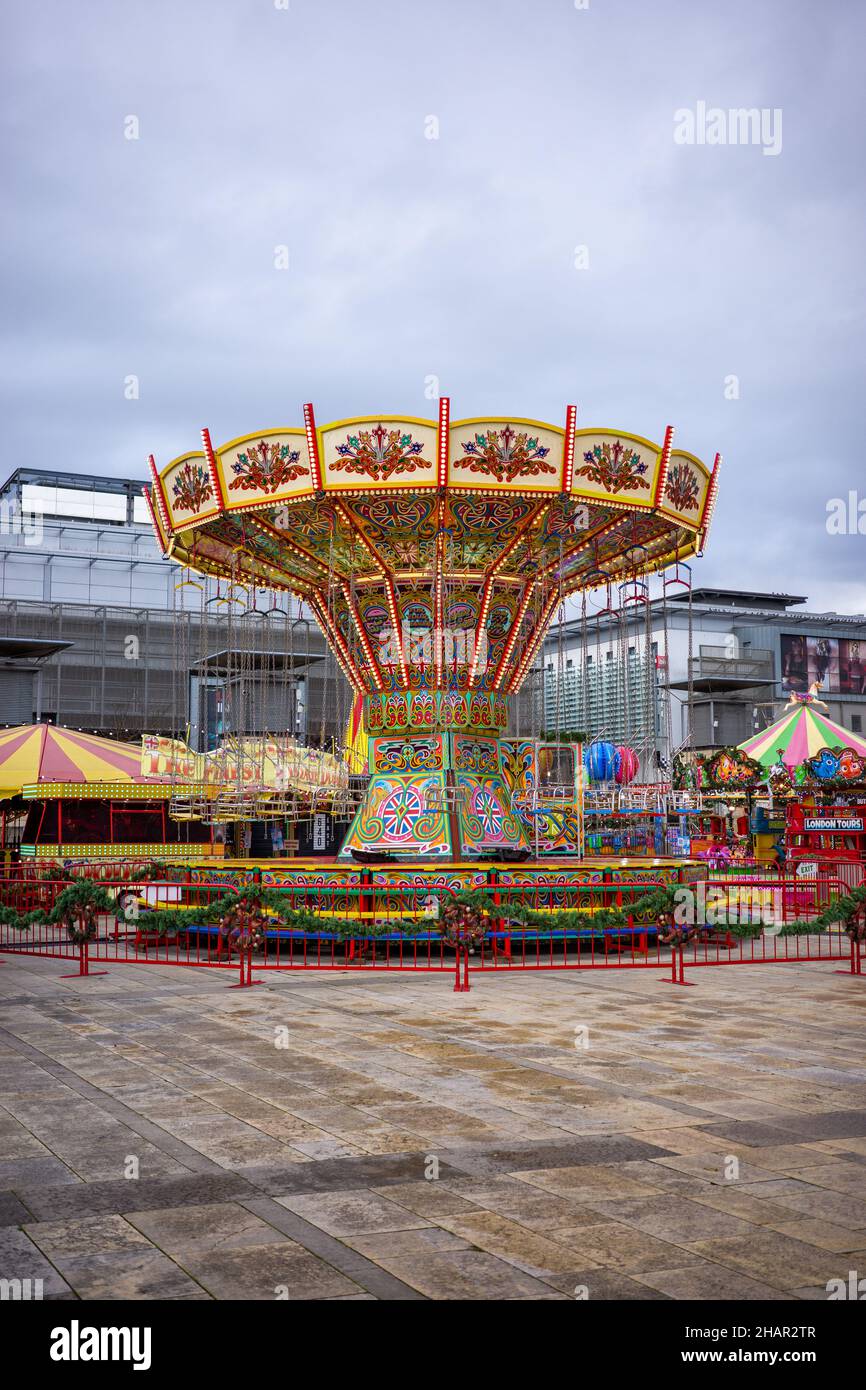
[(567, 872)]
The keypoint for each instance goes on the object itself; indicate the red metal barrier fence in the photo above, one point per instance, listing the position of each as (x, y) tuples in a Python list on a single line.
[(397, 928)]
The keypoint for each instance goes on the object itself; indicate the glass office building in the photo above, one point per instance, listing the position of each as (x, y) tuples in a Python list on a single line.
[(96, 634)]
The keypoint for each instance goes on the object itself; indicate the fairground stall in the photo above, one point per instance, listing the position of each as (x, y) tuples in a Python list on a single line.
[(712, 817), (262, 782), (794, 793), (816, 771), (67, 795)]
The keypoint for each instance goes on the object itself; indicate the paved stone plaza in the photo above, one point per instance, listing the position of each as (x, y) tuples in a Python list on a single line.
[(307, 1170)]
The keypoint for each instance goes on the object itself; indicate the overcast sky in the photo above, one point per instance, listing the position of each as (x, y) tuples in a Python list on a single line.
[(410, 258)]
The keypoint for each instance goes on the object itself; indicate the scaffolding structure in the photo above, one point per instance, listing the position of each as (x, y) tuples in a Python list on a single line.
[(119, 676)]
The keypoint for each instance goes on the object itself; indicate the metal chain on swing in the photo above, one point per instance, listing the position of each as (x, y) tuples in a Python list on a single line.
[(202, 673), (668, 724), (584, 649), (623, 731), (330, 666), (265, 664), (175, 677), (230, 696), (357, 658), (601, 674), (537, 692), (649, 713), (236, 672), (560, 648), (289, 685), (691, 675), (524, 701), (307, 658)]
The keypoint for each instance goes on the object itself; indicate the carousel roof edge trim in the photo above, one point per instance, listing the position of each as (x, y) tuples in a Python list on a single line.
[(621, 470)]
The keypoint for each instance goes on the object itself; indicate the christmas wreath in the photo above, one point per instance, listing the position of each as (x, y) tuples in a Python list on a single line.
[(78, 908), (243, 926), (463, 924), (855, 929), (670, 933)]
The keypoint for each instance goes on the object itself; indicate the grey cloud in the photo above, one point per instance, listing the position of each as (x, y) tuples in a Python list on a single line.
[(454, 257)]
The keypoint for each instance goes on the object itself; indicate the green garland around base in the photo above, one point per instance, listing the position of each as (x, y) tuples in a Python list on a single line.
[(844, 910), (78, 906)]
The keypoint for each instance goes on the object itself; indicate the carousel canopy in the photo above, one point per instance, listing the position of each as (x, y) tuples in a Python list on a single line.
[(432, 552), (801, 733), (33, 753)]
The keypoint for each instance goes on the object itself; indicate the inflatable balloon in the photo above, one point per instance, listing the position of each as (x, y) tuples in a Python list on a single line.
[(628, 763), (600, 761)]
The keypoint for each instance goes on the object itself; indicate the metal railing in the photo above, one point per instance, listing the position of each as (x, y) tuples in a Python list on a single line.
[(382, 927)]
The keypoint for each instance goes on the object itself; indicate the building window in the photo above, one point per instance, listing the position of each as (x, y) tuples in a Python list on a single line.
[(856, 723)]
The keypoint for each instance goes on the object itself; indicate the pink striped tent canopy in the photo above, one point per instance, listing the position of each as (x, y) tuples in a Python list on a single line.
[(801, 733)]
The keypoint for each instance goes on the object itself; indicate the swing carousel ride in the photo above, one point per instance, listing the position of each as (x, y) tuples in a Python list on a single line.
[(434, 555)]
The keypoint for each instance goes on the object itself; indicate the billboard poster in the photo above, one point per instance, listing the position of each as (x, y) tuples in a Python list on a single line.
[(807, 660), (837, 663), (852, 666)]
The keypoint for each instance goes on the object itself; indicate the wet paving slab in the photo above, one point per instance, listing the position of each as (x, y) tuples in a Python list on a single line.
[(542, 1138)]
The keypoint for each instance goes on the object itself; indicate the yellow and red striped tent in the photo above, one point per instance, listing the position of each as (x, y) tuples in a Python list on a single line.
[(357, 752), (32, 753)]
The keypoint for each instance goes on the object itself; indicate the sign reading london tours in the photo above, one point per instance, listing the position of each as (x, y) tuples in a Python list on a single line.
[(833, 824)]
